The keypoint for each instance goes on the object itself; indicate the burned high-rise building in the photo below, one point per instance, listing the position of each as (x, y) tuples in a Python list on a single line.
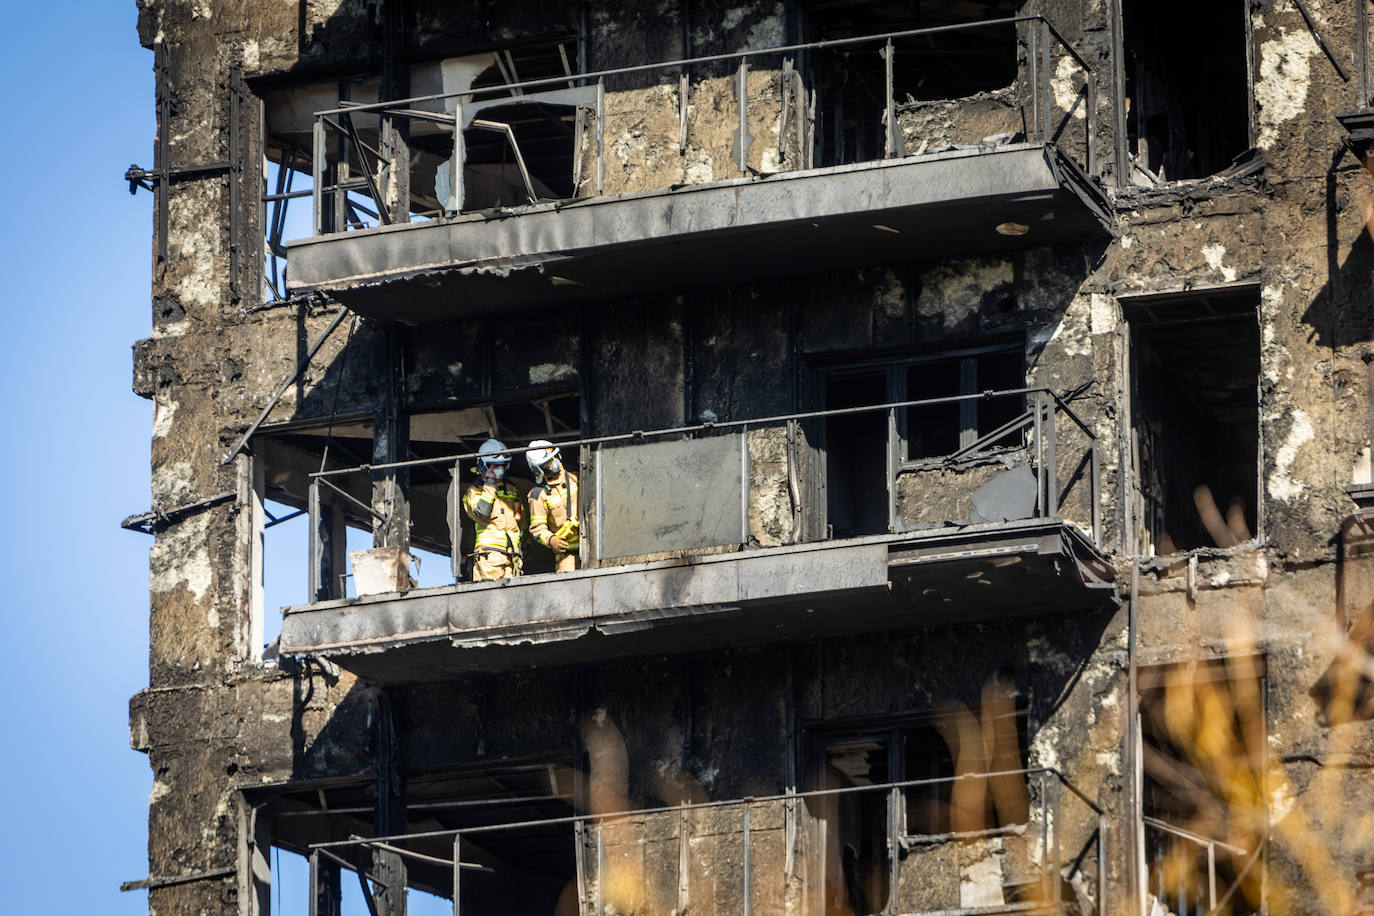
[(969, 405)]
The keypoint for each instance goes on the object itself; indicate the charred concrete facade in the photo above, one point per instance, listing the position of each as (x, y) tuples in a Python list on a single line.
[(956, 389)]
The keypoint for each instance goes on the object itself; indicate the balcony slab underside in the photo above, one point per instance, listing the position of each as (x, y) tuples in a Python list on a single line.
[(885, 582), (890, 211)]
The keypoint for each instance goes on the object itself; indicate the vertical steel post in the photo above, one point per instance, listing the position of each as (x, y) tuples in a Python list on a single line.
[(580, 860), (1056, 833), (1033, 77), (684, 91), (893, 137), (460, 152), (317, 173), (683, 860), (1095, 471), (1211, 876), (457, 874), (745, 865), (1045, 77), (1037, 449), (314, 882), (455, 510), (893, 459), (600, 870), (742, 97), (315, 573), (601, 136), (1044, 823), (894, 801), (1051, 463), (1102, 865)]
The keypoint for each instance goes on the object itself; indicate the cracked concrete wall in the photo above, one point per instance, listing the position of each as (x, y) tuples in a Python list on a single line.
[(1297, 230)]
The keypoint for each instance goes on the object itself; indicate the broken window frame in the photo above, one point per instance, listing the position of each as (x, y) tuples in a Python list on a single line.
[(879, 120), (1127, 163), (897, 368), (449, 115)]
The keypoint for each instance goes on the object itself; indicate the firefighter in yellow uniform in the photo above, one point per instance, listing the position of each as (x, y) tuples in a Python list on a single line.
[(553, 505), (493, 504)]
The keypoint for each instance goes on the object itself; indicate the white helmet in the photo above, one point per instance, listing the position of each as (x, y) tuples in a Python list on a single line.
[(492, 454), (541, 452)]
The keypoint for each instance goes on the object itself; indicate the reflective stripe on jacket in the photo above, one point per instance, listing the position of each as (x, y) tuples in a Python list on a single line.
[(552, 507), (501, 530)]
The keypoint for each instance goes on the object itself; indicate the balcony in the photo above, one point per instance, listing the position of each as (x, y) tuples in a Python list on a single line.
[(672, 560), (596, 185)]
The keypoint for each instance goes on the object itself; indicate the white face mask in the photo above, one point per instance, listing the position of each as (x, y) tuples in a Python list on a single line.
[(552, 468)]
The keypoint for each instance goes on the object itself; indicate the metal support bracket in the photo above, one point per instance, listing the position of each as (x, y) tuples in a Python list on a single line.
[(1321, 39), (286, 383)]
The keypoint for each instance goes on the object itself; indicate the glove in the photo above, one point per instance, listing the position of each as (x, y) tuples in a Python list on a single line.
[(557, 544)]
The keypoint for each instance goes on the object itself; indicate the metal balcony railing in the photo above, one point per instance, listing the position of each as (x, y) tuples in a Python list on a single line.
[(1033, 439), (391, 162), (728, 837), (1178, 889)]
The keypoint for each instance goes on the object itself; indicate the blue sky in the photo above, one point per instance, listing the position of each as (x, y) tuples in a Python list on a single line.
[(76, 296)]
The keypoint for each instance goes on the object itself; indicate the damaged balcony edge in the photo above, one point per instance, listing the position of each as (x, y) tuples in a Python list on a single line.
[(756, 596), (471, 262)]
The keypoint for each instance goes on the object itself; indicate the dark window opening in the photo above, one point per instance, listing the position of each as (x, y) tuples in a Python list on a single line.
[(856, 454), (856, 864), (1195, 418), (1187, 89), (857, 446), (1203, 738), (542, 137), (851, 81), (942, 429)]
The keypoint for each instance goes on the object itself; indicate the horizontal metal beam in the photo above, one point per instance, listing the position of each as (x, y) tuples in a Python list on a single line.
[(153, 882)]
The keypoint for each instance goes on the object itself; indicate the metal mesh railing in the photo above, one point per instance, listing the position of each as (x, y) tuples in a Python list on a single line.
[(754, 856), (391, 162)]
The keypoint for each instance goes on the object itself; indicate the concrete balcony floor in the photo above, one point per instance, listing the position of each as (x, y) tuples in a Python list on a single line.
[(956, 203), (803, 591)]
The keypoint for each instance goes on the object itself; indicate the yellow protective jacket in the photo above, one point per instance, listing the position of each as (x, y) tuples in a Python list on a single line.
[(498, 528), (553, 510)]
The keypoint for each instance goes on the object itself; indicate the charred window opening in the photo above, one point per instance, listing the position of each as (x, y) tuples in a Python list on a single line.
[(859, 446), (1195, 420), (535, 159), (1203, 739), (1187, 89), (856, 454), (435, 434), (945, 428), (856, 865), (850, 81)]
